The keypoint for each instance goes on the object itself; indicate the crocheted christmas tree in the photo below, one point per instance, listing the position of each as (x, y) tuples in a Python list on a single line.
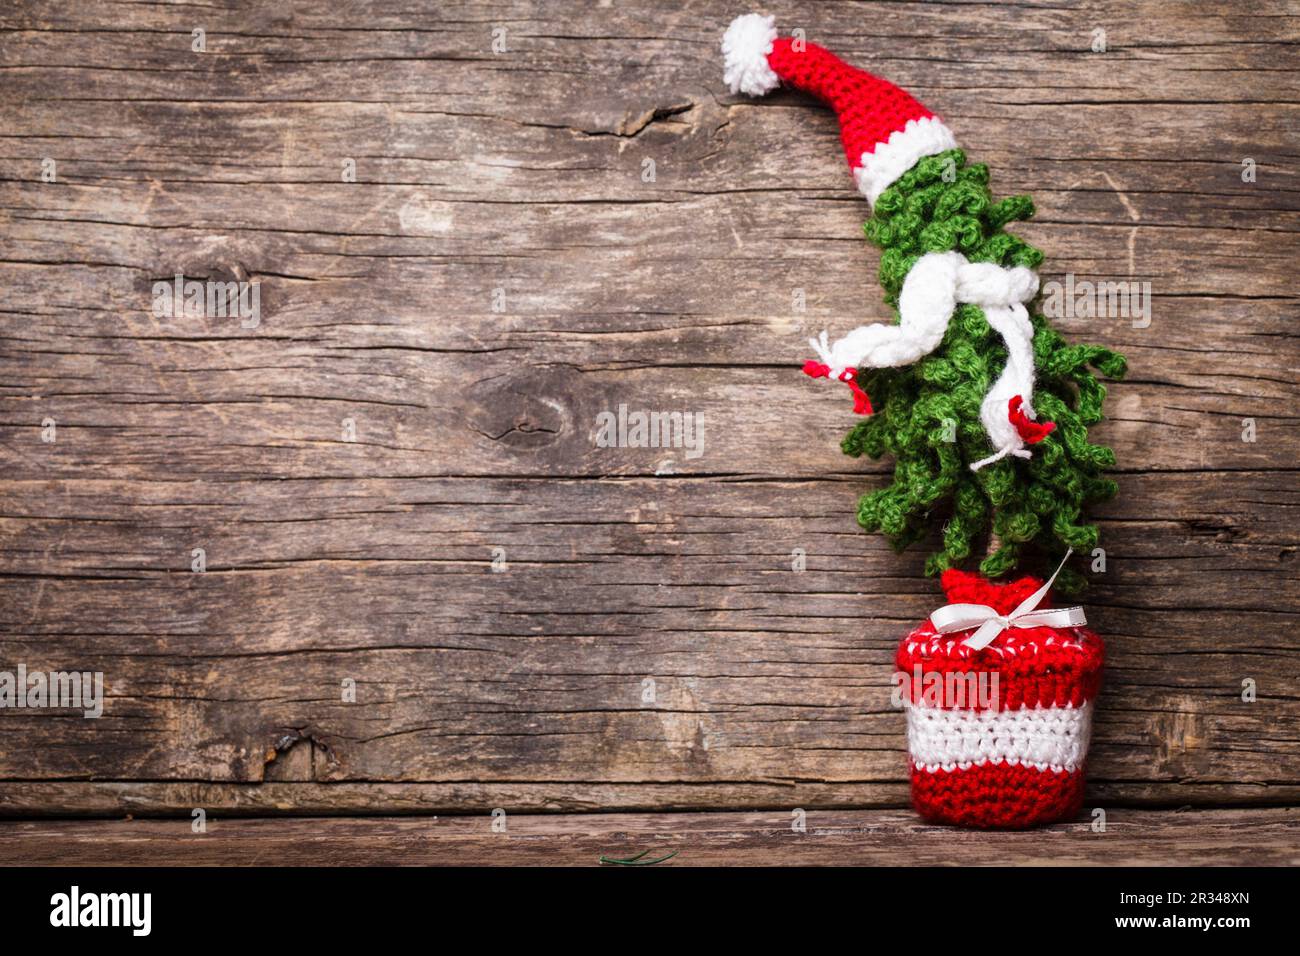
[(985, 410), (927, 414), (950, 387)]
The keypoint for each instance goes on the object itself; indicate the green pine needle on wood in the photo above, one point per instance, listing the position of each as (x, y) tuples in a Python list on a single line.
[(637, 860), (927, 414)]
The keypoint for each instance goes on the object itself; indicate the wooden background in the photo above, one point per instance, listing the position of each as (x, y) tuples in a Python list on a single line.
[(523, 171)]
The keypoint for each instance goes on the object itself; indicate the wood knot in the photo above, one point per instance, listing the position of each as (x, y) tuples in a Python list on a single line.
[(523, 409)]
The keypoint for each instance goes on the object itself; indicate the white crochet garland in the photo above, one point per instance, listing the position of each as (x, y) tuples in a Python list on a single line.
[(930, 294)]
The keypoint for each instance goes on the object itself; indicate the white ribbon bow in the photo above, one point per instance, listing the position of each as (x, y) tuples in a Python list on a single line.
[(989, 623)]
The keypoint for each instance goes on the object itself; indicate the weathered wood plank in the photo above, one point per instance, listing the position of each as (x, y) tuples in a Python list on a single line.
[(762, 674), (378, 294), (99, 799), (832, 838), (330, 559)]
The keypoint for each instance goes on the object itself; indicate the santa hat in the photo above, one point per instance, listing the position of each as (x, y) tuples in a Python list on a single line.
[(884, 129)]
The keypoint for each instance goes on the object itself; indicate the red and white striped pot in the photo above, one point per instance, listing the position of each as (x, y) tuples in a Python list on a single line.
[(1014, 756)]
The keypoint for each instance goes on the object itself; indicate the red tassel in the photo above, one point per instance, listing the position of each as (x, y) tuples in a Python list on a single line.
[(861, 401), (1030, 431)]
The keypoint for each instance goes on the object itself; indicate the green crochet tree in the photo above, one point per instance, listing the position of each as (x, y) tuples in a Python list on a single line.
[(927, 415)]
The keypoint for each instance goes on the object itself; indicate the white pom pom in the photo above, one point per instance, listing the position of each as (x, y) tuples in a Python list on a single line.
[(745, 47)]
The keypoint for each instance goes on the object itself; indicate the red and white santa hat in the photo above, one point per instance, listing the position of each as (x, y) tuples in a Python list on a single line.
[(884, 129)]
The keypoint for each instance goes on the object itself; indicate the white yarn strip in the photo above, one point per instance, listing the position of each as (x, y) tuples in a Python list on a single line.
[(1017, 378), (1046, 738), (933, 288)]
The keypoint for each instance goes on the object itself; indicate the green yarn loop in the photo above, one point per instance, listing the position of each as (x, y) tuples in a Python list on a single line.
[(927, 414)]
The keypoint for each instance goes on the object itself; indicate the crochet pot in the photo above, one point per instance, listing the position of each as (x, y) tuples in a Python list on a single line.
[(997, 737)]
